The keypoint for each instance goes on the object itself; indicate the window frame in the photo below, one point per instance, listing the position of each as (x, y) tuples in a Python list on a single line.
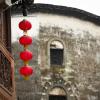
[(64, 53)]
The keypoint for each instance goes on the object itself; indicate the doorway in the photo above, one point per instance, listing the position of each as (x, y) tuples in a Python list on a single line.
[(57, 97), (57, 93)]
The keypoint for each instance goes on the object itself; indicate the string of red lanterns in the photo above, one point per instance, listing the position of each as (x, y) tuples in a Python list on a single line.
[(25, 55)]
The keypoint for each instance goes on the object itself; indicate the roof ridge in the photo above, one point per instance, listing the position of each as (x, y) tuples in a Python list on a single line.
[(61, 10)]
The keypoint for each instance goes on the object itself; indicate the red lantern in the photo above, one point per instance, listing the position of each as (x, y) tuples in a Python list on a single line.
[(25, 25), (25, 40), (26, 71), (26, 55)]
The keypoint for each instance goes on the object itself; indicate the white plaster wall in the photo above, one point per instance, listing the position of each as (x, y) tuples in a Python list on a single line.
[(68, 22), (52, 20)]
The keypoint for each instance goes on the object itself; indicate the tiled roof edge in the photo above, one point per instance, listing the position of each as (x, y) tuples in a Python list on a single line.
[(60, 10)]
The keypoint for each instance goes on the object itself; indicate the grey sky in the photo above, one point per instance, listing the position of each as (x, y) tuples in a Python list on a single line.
[(92, 6)]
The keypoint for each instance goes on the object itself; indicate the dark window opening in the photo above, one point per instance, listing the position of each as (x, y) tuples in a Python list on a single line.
[(56, 56), (56, 53), (57, 97)]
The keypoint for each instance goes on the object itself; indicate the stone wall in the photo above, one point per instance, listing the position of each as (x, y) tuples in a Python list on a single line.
[(80, 76), (81, 60)]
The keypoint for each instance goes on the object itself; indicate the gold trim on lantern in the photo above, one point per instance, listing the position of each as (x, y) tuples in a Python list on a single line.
[(25, 62), (25, 47), (26, 77)]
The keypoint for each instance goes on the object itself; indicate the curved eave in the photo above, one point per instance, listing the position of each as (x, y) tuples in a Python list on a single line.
[(3, 4), (60, 10)]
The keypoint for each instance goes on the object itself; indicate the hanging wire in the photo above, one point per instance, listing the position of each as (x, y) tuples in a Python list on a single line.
[(11, 5)]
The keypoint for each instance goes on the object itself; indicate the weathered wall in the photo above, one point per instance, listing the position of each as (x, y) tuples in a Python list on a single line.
[(81, 52), (81, 73)]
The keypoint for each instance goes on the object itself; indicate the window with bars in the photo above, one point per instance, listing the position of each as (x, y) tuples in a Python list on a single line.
[(56, 53), (56, 56)]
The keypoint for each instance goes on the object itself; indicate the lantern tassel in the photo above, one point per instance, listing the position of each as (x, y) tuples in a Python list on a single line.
[(25, 62), (25, 47), (26, 77), (25, 32)]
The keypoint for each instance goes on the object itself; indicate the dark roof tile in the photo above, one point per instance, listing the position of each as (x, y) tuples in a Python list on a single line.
[(60, 10)]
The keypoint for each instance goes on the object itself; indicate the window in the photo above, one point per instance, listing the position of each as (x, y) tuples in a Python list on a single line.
[(56, 53)]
